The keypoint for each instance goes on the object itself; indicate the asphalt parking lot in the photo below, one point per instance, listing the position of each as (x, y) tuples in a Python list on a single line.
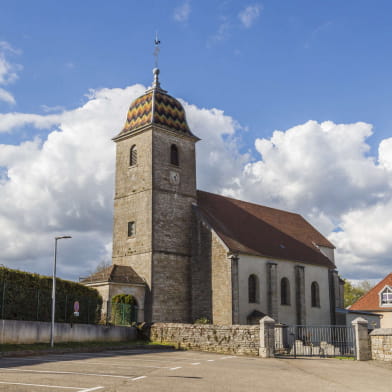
[(158, 370)]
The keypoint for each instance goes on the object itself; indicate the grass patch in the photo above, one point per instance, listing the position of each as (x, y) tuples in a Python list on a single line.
[(349, 358)]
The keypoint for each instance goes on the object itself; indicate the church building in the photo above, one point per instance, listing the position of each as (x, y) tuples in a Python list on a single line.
[(186, 254)]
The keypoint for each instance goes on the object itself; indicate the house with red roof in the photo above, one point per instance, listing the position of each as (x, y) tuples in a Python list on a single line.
[(378, 300)]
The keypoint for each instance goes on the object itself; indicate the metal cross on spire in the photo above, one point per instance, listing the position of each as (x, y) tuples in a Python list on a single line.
[(157, 42)]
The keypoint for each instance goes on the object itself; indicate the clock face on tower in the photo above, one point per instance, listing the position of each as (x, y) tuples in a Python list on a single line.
[(174, 178)]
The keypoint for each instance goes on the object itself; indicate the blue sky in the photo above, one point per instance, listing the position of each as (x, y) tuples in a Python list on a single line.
[(263, 65)]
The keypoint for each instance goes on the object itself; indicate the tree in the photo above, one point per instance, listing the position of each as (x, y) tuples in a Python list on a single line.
[(353, 292), (103, 264)]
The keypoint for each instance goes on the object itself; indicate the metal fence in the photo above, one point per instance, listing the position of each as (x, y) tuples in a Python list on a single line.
[(121, 314), (20, 303), (319, 341)]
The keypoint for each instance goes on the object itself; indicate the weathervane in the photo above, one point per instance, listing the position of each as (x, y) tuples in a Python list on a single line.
[(157, 42)]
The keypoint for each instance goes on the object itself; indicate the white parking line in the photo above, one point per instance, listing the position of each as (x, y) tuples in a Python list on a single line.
[(51, 386), (195, 363), (210, 360), (138, 378), (77, 373), (116, 364), (38, 385), (175, 368)]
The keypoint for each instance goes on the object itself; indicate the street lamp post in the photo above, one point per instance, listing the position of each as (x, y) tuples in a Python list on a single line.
[(54, 287)]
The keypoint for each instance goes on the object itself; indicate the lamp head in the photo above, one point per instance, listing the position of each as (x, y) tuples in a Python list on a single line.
[(63, 237)]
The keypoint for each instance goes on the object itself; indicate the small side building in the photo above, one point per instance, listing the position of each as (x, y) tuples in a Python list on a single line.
[(114, 280)]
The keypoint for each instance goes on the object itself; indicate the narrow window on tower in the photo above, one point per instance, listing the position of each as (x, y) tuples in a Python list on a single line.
[(133, 156), (174, 159), (131, 229)]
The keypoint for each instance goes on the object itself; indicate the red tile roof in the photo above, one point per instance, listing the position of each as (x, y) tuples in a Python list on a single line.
[(262, 231), (371, 300)]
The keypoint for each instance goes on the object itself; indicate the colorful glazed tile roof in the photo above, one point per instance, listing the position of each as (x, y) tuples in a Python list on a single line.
[(156, 107)]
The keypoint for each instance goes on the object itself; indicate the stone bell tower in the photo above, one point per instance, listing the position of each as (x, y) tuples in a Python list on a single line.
[(155, 188)]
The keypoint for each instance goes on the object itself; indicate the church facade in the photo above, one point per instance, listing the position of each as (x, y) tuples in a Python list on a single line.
[(186, 254)]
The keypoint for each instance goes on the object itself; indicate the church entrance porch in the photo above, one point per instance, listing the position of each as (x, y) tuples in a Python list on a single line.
[(314, 341)]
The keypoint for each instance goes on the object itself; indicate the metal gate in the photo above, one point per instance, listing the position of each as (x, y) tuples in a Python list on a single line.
[(314, 341)]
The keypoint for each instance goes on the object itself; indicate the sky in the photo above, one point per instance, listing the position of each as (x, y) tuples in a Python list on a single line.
[(292, 101)]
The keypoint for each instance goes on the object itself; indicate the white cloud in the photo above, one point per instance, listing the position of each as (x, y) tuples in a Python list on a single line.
[(222, 33), (8, 71), (182, 12), (51, 109), (64, 184), (6, 96), (250, 14), (323, 171)]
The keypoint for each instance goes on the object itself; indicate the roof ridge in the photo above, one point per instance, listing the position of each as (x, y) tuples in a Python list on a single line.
[(252, 203)]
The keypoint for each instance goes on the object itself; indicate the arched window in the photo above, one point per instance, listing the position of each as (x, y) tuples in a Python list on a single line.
[(133, 156), (253, 289), (285, 291), (315, 292), (174, 159)]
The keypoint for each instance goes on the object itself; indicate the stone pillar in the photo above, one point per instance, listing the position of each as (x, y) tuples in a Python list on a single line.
[(332, 296), (300, 294), (267, 337), (235, 290), (361, 339), (272, 291)]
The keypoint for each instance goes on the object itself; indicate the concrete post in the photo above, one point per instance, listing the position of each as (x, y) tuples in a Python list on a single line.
[(361, 339), (235, 290), (267, 337), (272, 290)]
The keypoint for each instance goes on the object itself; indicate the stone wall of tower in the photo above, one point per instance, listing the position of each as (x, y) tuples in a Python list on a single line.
[(201, 269), (133, 203), (172, 226), (212, 275)]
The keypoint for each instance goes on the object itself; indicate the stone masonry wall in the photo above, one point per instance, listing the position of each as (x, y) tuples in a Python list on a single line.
[(233, 339), (222, 301), (201, 269), (381, 344)]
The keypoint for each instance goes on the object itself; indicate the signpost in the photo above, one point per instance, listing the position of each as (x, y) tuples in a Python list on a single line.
[(76, 308)]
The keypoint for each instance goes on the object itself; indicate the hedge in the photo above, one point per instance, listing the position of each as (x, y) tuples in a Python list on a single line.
[(27, 296)]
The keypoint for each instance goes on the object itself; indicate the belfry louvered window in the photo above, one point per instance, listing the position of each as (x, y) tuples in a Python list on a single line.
[(174, 158), (133, 156)]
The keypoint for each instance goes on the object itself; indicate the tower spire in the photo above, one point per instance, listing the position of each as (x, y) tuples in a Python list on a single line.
[(157, 49), (155, 71)]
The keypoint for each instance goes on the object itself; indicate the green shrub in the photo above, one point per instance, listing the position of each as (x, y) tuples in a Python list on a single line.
[(27, 296), (203, 320)]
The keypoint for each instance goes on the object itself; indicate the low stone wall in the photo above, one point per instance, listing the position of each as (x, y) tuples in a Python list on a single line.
[(28, 332), (233, 339), (381, 344)]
